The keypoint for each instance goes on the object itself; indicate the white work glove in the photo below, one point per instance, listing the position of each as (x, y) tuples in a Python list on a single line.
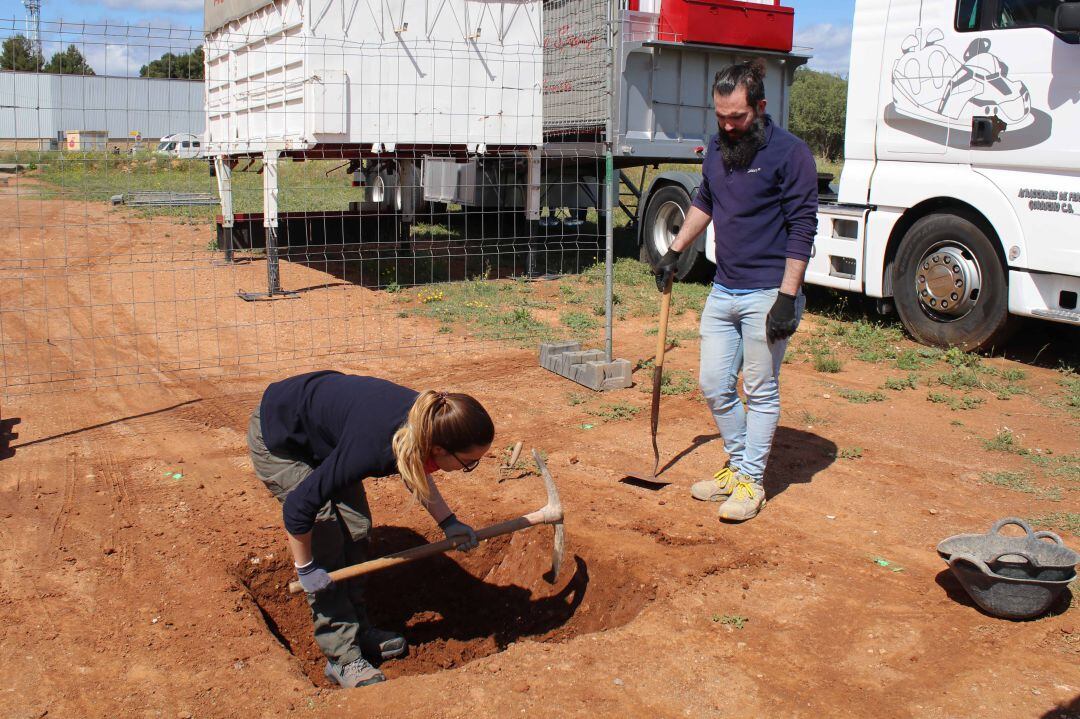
[(455, 529)]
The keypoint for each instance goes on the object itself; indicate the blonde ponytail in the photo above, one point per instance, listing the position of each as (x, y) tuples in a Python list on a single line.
[(455, 422), (412, 444)]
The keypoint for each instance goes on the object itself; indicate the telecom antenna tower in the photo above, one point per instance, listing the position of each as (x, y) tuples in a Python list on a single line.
[(33, 24)]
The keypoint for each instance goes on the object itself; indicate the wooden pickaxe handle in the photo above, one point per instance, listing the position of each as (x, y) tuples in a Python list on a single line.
[(550, 513)]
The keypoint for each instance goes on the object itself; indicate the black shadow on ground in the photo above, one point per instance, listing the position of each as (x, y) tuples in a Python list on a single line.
[(1039, 343), (796, 457), (451, 603), (99, 425), (1065, 711)]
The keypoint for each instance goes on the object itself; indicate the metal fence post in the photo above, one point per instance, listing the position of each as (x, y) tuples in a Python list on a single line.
[(610, 193)]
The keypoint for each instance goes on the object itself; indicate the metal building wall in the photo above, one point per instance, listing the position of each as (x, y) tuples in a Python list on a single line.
[(39, 105)]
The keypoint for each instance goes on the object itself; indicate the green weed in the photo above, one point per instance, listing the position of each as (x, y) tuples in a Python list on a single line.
[(902, 383), (858, 396), (1004, 441), (579, 322), (1013, 375), (850, 453), (1060, 521), (576, 398), (810, 419), (676, 382), (954, 403), (733, 620), (960, 378), (958, 358), (913, 360), (871, 341), (616, 412), (1066, 466), (1019, 482), (827, 363)]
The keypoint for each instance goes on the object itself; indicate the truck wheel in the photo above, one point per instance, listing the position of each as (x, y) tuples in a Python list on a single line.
[(664, 217), (949, 285)]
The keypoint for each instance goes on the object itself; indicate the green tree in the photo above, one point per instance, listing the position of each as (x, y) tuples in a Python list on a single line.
[(188, 66), (819, 111), (69, 62), (19, 54)]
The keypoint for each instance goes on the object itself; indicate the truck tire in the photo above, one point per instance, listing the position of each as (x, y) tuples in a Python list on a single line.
[(664, 216), (949, 285)]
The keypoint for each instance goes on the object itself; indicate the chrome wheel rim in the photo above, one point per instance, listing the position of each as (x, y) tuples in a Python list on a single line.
[(948, 281), (668, 221)]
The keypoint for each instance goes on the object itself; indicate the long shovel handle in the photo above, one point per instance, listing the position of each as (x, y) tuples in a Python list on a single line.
[(665, 309), (421, 552), (658, 370)]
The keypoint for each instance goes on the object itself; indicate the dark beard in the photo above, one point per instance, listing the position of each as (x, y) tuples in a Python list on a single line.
[(738, 154)]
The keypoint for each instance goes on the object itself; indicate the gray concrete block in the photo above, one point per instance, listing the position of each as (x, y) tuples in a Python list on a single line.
[(618, 374), (550, 350), (586, 367)]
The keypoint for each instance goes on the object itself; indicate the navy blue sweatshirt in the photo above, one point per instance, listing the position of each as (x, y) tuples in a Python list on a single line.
[(762, 215), (340, 424)]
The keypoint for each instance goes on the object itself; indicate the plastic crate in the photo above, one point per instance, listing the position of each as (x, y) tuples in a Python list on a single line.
[(761, 25)]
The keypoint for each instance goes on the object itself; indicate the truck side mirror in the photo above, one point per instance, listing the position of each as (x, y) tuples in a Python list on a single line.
[(1067, 18)]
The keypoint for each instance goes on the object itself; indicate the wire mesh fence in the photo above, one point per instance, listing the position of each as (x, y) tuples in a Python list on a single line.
[(350, 179)]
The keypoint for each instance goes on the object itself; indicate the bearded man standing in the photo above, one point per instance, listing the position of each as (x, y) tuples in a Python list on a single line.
[(759, 189)]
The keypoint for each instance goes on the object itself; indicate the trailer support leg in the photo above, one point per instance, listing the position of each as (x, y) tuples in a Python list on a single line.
[(223, 172), (270, 222)]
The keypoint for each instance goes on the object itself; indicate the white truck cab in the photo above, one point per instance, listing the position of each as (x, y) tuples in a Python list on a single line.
[(960, 194)]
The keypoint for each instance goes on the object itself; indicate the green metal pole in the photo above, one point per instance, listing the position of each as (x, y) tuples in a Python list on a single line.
[(610, 197)]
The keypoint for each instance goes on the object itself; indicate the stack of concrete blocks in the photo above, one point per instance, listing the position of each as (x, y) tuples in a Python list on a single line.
[(587, 367)]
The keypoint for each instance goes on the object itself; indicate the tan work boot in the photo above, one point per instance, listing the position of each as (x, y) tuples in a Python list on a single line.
[(747, 499), (716, 489)]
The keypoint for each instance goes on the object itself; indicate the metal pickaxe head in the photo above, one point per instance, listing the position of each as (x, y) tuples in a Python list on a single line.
[(552, 514)]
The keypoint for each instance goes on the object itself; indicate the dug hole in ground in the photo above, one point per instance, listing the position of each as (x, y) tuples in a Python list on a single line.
[(144, 571)]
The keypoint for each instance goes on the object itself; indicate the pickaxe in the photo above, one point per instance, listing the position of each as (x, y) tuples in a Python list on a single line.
[(550, 513)]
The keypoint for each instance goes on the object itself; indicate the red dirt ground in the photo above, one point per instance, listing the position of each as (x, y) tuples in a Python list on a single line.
[(126, 592)]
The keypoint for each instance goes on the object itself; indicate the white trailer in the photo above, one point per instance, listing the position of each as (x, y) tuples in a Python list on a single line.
[(503, 105), (959, 201), (300, 75)]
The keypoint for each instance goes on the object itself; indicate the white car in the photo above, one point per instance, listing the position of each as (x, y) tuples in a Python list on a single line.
[(183, 145)]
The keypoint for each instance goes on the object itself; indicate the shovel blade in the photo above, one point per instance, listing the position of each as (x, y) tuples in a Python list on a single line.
[(645, 480)]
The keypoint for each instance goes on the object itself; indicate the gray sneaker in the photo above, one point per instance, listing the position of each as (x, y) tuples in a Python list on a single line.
[(380, 644), (358, 673), (745, 501)]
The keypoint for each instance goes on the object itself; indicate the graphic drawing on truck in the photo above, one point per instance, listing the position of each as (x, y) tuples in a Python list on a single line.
[(935, 88), (930, 83)]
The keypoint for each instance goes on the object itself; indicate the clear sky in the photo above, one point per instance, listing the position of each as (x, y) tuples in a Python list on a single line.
[(823, 26)]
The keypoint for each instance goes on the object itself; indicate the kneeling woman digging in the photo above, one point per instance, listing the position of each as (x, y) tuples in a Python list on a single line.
[(314, 439)]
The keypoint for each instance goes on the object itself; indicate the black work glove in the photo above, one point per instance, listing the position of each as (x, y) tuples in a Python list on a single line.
[(313, 578), (665, 268), (781, 322)]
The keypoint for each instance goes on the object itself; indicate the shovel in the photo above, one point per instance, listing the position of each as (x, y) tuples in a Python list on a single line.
[(650, 479)]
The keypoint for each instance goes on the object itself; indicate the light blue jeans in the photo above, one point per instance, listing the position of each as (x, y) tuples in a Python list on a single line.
[(733, 339)]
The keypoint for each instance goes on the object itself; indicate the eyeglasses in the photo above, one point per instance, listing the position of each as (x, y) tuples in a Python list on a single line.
[(466, 466)]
